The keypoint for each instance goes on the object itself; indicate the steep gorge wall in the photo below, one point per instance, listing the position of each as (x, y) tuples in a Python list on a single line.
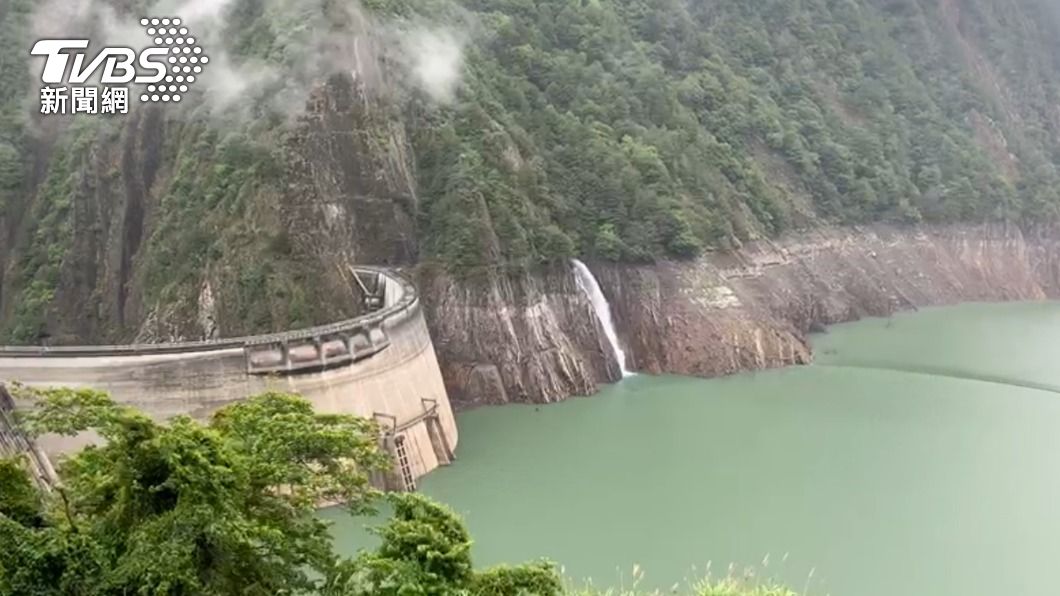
[(752, 309), (168, 226), (165, 226), (523, 339), (347, 196), (516, 337)]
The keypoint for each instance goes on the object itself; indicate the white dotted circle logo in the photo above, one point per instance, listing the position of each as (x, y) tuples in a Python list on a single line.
[(185, 57)]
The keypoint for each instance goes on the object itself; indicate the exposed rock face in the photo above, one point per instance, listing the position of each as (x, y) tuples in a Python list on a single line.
[(351, 179), (348, 196), (535, 338), (753, 308), (140, 199), (516, 337), (109, 198)]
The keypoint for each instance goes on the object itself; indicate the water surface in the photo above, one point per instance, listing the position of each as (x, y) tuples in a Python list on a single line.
[(919, 455)]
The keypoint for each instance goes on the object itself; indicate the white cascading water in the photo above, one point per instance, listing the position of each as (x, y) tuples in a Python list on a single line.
[(587, 282)]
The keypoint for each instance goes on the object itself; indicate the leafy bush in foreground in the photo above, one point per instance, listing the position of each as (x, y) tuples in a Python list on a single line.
[(229, 508)]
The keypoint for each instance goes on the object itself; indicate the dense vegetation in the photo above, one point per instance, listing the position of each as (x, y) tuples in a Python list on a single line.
[(628, 129), (614, 129), (14, 78), (227, 509)]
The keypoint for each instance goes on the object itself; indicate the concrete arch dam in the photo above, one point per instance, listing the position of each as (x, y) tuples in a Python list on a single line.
[(380, 365)]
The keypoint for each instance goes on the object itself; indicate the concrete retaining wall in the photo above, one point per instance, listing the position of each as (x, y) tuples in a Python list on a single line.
[(198, 378)]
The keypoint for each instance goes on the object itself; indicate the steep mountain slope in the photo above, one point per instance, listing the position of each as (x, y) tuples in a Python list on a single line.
[(652, 129), (615, 130)]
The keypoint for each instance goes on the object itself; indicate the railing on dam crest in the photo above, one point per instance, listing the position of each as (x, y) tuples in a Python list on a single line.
[(312, 348)]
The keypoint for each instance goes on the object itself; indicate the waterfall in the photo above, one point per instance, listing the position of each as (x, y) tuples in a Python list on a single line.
[(587, 282)]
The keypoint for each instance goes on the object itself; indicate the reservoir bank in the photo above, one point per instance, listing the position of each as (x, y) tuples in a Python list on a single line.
[(918, 454)]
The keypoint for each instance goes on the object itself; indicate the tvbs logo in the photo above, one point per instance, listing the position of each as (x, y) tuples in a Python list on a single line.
[(166, 69)]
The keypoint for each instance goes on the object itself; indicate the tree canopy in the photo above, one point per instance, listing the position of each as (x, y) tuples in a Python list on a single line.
[(183, 507), (645, 130), (224, 508), (625, 130), (228, 508)]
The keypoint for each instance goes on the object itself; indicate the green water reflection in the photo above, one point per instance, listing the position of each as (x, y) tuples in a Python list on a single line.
[(920, 455)]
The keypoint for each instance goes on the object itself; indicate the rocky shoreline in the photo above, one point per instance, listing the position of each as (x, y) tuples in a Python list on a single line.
[(533, 338)]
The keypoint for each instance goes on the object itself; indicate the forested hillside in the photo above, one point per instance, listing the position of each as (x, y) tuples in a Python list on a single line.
[(623, 130), (633, 130)]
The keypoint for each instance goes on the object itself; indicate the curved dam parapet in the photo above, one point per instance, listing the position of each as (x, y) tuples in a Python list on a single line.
[(381, 365)]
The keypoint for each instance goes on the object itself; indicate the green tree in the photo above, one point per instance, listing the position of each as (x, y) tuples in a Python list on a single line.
[(185, 508), (607, 244), (228, 508), (225, 508), (426, 550)]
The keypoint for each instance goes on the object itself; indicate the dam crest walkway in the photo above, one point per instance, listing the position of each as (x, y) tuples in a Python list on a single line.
[(379, 365)]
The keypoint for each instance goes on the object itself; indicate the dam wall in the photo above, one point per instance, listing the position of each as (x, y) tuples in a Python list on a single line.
[(381, 365)]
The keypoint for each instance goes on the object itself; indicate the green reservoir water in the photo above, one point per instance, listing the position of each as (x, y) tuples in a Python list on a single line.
[(919, 455)]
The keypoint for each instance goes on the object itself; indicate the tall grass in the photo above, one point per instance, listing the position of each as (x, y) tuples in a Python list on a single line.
[(733, 584)]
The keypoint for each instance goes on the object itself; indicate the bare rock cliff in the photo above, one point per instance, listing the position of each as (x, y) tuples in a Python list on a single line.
[(516, 337), (535, 337), (752, 309)]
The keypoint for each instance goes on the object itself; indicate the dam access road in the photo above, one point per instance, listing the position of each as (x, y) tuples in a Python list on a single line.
[(380, 365)]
